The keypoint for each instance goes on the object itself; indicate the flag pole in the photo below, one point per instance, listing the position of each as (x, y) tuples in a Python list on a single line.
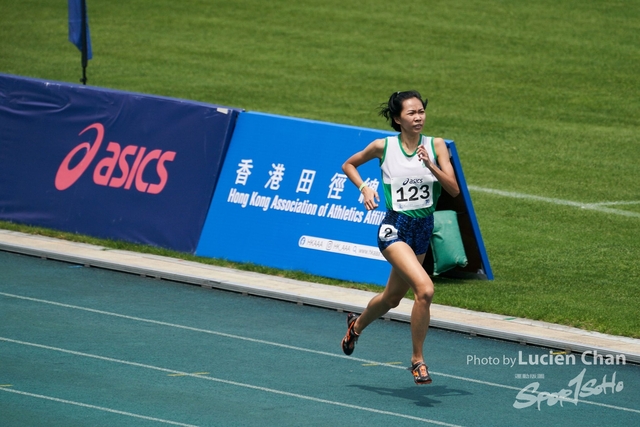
[(83, 38)]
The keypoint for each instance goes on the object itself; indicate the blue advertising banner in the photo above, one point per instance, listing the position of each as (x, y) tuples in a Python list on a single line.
[(283, 201), (109, 164)]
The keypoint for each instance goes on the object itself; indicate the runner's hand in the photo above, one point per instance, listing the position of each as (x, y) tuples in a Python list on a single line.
[(370, 198)]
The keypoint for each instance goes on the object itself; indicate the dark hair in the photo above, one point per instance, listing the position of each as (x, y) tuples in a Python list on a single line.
[(393, 108)]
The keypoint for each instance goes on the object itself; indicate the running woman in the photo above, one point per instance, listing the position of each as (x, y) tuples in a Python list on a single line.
[(414, 170)]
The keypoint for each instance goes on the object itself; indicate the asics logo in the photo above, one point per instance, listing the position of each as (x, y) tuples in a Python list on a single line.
[(412, 181), (131, 162)]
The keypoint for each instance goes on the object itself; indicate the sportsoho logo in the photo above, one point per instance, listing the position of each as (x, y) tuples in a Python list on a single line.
[(103, 173)]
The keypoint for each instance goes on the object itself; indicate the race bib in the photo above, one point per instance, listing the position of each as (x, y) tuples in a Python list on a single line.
[(411, 193)]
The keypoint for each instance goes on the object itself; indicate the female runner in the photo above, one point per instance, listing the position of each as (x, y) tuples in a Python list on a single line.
[(414, 170)]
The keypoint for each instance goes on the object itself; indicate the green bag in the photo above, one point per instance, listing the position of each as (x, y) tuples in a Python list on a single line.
[(446, 243)]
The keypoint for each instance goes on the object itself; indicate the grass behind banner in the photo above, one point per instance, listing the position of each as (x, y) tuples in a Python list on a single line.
[(541, 98)]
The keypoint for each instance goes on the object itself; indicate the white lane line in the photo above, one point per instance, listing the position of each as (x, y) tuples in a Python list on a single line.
[(600, 207), (100, 408), (290, 347), (233, 383), (637, 202), (189, 328)]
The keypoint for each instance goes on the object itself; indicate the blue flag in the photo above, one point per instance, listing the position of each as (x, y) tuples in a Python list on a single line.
[(75, 25)]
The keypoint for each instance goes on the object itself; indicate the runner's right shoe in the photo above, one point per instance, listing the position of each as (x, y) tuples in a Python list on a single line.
[(420, 373), (351, 337)]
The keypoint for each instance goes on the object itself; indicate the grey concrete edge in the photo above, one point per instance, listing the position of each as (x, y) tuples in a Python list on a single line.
[(246, 289)]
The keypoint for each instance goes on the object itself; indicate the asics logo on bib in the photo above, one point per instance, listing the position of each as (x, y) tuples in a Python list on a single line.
[(412, 181), (132, 161)]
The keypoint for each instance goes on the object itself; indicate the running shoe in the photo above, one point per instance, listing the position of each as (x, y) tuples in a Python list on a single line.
[(420, 373), (350, 339)]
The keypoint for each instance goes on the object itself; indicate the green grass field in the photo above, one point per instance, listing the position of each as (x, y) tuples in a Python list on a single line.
[(541, 99)]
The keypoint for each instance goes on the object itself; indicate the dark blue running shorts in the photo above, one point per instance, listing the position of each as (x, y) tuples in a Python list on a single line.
[(397, 227)]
